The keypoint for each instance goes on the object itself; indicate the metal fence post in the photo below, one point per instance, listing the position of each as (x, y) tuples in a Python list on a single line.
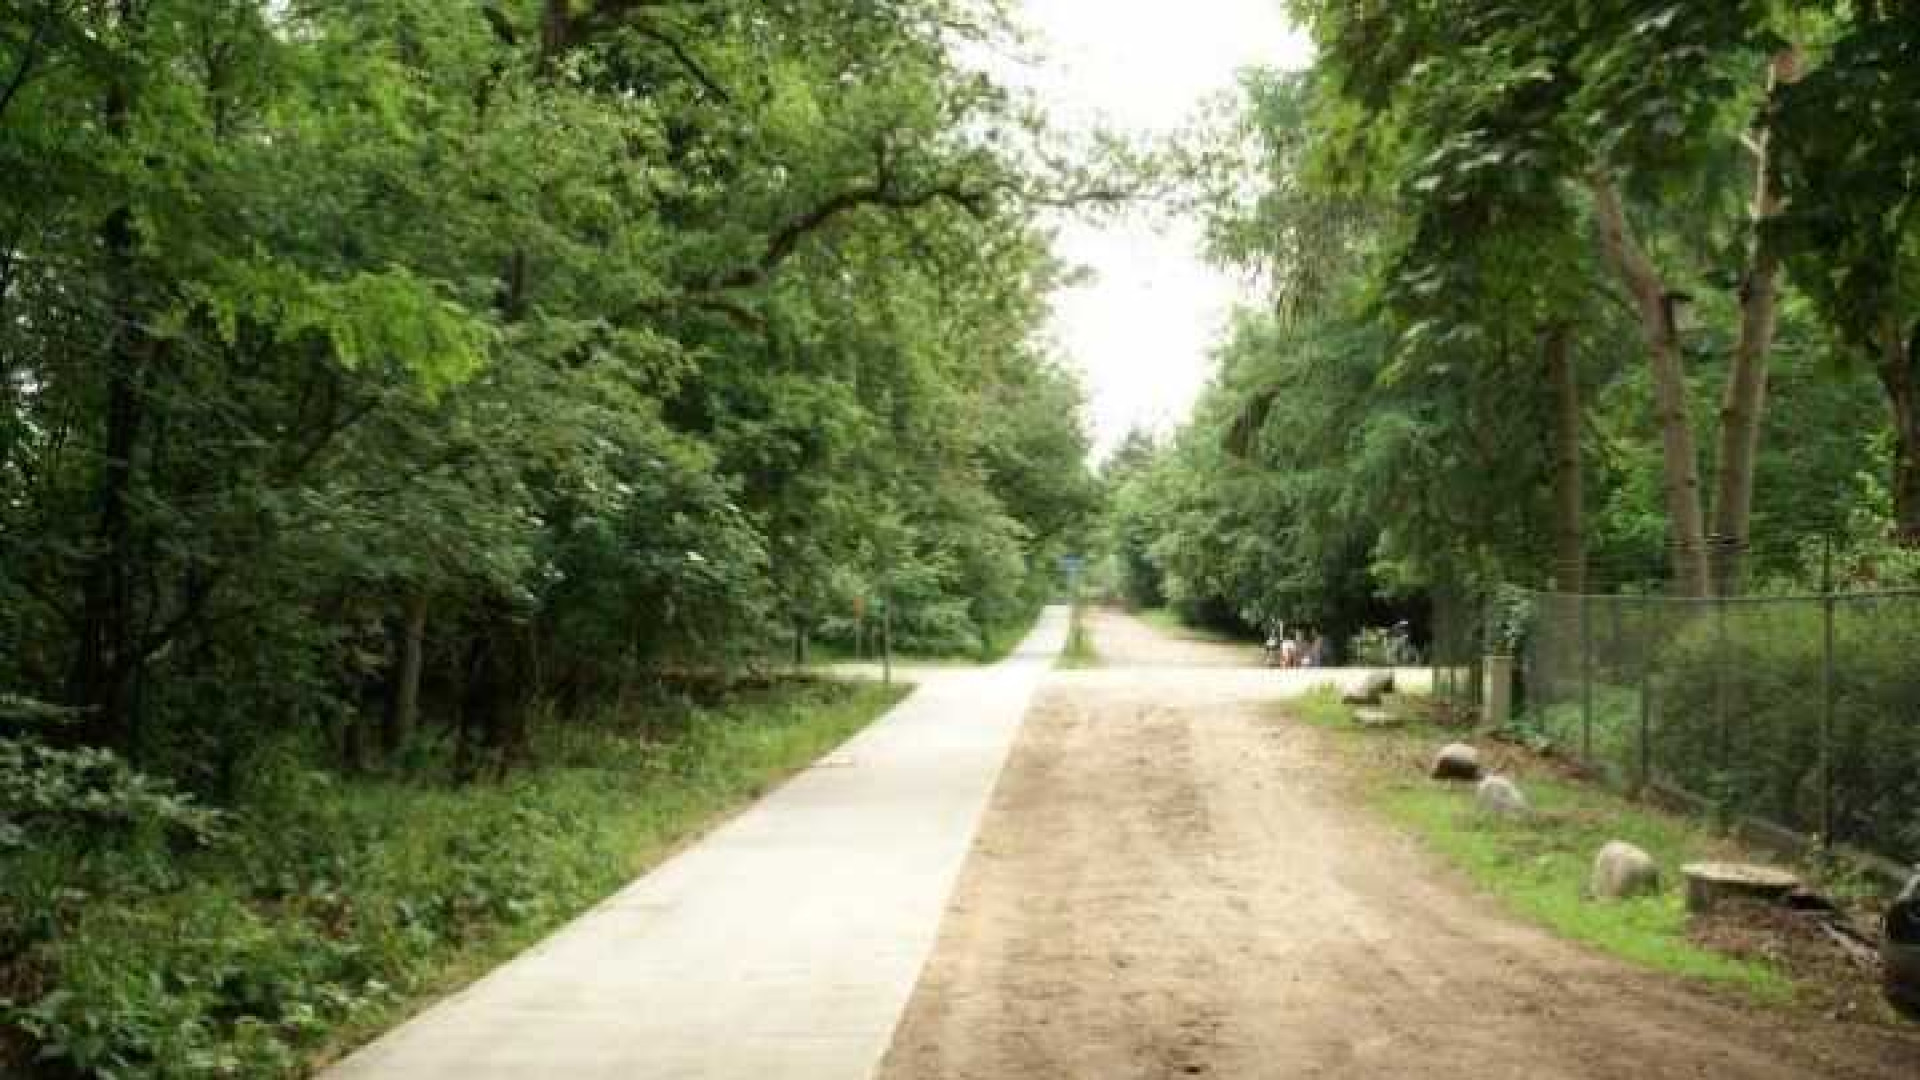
[(1646, 694), (1827, 697), (1723, 749), (1586, 680), (1433, 663)]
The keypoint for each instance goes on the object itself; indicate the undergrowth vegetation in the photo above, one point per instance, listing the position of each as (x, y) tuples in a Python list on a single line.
[(323, 907), (1747, 705), (1171, 621), (399, 400), (1739, 711)]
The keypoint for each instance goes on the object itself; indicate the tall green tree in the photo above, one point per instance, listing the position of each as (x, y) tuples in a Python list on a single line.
[(366, 366)]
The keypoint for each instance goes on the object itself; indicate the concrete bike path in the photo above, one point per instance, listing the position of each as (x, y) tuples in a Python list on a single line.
[(784, 944)]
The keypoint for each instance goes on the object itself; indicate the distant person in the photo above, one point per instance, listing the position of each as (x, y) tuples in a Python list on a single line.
[(1317, 652), (1289, 652)]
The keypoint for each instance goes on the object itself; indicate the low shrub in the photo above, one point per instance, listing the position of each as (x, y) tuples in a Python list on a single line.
[(1739, 704), (328, 904)]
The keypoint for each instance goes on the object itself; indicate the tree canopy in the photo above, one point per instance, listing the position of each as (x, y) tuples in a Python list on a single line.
[(484, 352), (1570, 295)]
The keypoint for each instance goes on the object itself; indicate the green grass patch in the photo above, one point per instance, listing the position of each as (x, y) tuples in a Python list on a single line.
[(1322, 708), (1538, 865), (1164, 619), (336, 907), (1169, 621)]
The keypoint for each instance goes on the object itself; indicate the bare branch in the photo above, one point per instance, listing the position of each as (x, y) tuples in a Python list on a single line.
[(680, 53), (29, 54)]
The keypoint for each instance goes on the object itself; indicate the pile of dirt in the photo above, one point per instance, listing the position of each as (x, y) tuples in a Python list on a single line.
[(1829, 977)]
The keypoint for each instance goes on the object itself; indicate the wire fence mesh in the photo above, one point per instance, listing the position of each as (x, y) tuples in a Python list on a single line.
[(1457, 651), (1797, 713)]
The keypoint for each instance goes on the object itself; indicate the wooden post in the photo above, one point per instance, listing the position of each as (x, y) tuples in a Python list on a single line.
[(1722, 729), (886, 639), (1646, 695)]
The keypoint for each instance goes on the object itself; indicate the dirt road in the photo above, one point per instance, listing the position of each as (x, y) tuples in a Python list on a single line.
[(1167, 884)]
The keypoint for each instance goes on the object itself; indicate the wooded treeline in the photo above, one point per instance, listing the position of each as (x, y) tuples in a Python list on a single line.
[(361, 363), (1579, 295), (426, 429)]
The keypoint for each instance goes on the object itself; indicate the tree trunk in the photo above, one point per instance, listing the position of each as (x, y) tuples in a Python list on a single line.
[(403, 713), (1569, 491), (107, 657), (356, 740), (1681, 462), (556, 32), (479, 706), (493, 723), (1744, 401), (800, 641), (1899, 371)]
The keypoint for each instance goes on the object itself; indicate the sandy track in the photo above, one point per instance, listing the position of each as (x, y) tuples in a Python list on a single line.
[(1124, 641), (1165, 885)]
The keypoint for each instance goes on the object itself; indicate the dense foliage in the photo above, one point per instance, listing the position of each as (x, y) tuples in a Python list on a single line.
[(1571, 294), (378, 378), (485, 352), (326, 911)]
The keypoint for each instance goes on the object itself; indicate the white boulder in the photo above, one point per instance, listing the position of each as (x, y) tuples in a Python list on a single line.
[(1500, 797), (1621, 871)]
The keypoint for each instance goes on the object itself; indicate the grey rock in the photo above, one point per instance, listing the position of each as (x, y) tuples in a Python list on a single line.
[(1370, 689), (1501, 797), (1621, 871), (1456, 762)]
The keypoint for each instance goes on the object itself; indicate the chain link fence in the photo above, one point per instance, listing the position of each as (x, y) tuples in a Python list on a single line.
[(1458, 650), (1800, 715)]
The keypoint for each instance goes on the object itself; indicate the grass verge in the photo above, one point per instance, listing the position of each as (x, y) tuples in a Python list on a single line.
[(1168, 621), (1538, 865), (335, 908)]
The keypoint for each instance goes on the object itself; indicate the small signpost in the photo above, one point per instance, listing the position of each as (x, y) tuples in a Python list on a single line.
[(1071, 566)]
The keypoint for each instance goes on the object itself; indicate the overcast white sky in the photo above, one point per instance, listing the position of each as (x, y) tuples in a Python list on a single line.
[(1143, 328)]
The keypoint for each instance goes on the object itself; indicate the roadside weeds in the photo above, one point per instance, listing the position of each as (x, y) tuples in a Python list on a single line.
[(1537, 864)]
